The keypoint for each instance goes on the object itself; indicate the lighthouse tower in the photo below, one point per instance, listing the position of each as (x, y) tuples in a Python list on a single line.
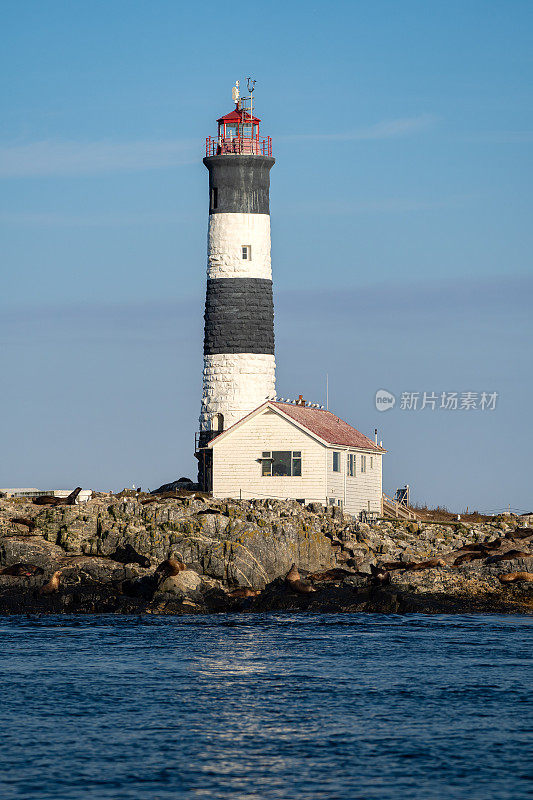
[(239, 365)]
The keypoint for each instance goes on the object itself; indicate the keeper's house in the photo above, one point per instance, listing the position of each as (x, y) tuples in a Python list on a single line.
[(293, 451)]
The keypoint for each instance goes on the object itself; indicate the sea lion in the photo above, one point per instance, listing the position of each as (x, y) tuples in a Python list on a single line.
[(467, 548), (508, 556), (128, 555), (170, 567), (52, 585), (23, 570), (71, 499), (511, 577), (520, 533), (467, 557), (29, 523), (378, 575), (301, 587), (45, 500), (50, 500), (494, 544), (295, 583), (430, 564), (244, 591), (335, 574), (481, 549), (292, 574)]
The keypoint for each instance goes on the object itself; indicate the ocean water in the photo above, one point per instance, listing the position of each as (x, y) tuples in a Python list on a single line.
[(292, 707)]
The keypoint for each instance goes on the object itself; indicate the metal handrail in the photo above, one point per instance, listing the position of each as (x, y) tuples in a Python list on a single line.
[(239, 145)]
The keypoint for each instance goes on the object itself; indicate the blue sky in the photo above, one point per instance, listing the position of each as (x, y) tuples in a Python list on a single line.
[(401, 207)]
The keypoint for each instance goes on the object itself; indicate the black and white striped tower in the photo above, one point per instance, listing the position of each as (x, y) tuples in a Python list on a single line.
[(239, 365)]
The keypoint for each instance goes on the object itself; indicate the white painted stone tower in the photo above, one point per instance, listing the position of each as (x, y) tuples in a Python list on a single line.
[(239, 364)]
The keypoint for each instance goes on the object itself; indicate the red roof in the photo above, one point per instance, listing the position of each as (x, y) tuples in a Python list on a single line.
[(327, 426), (237, 116)]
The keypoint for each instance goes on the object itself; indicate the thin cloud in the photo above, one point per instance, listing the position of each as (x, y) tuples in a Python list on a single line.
[(388, 129), (61, 220), (501, 137), (69, 159), (64, 158), (384, 205)]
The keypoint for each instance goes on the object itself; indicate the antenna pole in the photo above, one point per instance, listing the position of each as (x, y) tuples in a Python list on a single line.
[(251, 86), (327, 392)]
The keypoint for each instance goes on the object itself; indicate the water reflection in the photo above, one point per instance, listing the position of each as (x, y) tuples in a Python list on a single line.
[(272, 707)]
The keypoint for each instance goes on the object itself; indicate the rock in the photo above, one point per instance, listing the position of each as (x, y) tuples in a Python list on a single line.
[(182, 584), (181, 483), (33, 550), (228, 544)]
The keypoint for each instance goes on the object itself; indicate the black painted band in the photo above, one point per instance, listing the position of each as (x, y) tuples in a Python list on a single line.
[(239, 184), (239, 316)]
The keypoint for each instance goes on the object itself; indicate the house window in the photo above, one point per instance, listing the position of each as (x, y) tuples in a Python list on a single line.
[(280, 463), (246, 252), (217, 422), (336, 461), (214, 198), (350, 468), (371, 462), (363, 463), (297, 463), (332, 501)]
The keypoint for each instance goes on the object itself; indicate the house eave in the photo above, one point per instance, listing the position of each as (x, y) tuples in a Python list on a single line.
[(376, 450)]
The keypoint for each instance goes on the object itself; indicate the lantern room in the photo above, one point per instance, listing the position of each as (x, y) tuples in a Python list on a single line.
[(238, 131)]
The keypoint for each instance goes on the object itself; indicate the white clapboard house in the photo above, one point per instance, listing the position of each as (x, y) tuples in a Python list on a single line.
[(293, 451)]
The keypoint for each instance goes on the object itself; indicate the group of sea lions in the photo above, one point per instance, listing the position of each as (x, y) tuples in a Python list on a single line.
[(493, 552), (177, 494), (23, 570), (126, 555), (497, 551)]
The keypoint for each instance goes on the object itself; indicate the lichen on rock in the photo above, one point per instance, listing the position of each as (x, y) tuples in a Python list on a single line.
[(251, 544)]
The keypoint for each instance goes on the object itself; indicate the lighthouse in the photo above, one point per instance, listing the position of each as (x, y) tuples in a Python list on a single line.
[(239, 364)]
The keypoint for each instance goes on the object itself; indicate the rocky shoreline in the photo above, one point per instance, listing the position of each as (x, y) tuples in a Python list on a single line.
[(236, 556)]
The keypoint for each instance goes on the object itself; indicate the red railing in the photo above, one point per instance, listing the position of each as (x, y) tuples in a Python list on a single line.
[(238, 146)]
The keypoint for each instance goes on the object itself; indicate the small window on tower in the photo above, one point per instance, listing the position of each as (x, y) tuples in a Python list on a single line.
[(214, 198), (247, 252)]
